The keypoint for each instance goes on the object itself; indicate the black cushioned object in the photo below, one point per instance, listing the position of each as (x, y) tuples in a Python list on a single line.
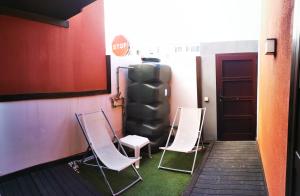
[(150, 73), (148, 93), (152, 129), (148, 112), (159, 141)]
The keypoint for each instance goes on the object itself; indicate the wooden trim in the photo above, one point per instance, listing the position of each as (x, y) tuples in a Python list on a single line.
[(199, 81), (294, 96), (33, 16), (18, 97), (236, 56)]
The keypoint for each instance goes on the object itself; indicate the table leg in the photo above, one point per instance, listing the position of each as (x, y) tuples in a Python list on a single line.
[(149, 150), (137, 155)]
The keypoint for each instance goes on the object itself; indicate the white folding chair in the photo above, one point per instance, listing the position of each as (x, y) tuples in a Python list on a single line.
[(188, 135), (95, 127)]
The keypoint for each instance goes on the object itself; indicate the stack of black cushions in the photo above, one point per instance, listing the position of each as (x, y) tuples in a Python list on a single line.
[(148, 108)]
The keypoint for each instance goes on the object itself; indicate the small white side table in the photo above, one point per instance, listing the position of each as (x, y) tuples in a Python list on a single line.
[(136, 143)]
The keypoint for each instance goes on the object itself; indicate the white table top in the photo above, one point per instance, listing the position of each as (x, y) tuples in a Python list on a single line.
[(134, 141)]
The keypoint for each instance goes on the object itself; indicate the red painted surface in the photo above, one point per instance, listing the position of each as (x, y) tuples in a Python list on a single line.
[(42, 58), (274, 85)]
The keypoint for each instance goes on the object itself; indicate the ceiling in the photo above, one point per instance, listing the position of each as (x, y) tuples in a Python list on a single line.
[(57, 9)]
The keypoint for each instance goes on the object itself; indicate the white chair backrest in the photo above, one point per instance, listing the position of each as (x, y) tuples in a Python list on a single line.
[(188, 128), (97, 130)]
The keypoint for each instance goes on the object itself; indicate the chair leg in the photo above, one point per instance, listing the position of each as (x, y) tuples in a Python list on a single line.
[(196, 151), (137, 173), (161, 158), (168, 140), (103, 173), (105, 178), (124, 189), (137, 155), (149, 150), (194, 161), (202, 144)]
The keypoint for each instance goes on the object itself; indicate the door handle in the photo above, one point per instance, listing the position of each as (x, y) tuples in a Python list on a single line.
[(231, 98), (297, 155), (221, 98)]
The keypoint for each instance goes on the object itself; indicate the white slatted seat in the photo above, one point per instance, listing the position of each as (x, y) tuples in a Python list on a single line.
[(188, 134), (96, 128)]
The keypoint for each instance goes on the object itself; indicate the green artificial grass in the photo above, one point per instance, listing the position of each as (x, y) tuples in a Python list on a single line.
[(155, 181)]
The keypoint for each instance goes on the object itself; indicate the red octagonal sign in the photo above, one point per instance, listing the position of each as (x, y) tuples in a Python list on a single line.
[(120, 46)]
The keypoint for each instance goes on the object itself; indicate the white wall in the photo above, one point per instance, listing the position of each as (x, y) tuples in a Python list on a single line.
[(39, 131), (207, 53), (183, 82)]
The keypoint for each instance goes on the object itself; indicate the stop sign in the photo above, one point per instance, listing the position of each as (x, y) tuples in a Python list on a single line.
[(120, 46)]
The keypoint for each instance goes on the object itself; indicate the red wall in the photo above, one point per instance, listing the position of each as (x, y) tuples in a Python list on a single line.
[(274, 85), (41, 58)]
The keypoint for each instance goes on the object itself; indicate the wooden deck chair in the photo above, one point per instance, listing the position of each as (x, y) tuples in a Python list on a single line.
[(188, 135), (95, 127)]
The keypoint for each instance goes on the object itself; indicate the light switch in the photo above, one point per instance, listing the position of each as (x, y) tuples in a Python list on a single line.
[(270, 46), (206, 99)]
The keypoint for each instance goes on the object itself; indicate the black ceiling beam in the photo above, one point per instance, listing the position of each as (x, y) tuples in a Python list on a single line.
[(55, 12), (33, 16)]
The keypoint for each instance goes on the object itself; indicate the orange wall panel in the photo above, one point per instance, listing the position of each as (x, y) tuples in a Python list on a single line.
[(273, 92), (42, 58)]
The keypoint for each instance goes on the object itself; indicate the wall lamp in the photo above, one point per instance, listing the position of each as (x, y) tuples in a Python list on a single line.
[(271, 46)]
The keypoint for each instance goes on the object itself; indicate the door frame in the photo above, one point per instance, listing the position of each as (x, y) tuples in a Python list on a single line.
[(294, 96), (199, 81), (239, 55)]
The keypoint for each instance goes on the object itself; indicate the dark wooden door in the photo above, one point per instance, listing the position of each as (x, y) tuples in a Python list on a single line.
[(236, 96)]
